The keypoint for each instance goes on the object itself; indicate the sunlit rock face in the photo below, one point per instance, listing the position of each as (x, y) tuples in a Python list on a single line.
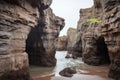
[(41, 40), (100, 40), (74, 45), (61, 43)]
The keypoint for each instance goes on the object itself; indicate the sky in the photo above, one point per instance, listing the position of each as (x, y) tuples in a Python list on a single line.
[(69, 10)]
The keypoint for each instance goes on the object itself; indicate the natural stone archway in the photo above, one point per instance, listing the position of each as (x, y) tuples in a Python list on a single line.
[(95, 51), (108, 12), (40, 44)]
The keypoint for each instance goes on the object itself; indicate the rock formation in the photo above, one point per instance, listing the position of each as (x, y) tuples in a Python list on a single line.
[(110, 30), (100, 40), (61, 43), (16, 19), (26, 26), (74, 47), (68, 72), (41, 40)]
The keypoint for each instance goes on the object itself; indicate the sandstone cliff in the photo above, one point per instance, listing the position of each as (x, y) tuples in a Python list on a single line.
[(61, 43), (26, 26), (41, 39), (74, 43), (100, 40)]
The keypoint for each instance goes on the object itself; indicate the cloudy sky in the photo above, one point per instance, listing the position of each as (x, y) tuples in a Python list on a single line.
[(69, 10)]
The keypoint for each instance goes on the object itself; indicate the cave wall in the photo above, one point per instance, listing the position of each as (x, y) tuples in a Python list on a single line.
[(23, 21), (100, 40), (16, 19), (41, 40)]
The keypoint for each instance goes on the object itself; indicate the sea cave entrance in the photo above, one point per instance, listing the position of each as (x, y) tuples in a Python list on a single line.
[(102, 50)]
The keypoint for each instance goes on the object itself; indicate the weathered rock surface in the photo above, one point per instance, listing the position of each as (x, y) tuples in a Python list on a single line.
[(26, 26), (74, 47), (111, 32), (15, 23), (61, 43), (100, 40), (41, 39)]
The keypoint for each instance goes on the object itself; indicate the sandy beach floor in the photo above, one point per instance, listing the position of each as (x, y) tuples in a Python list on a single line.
[(94, 74)]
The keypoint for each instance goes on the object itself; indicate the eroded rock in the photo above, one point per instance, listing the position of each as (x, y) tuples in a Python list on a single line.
[(61, 43), (26, 26), (41, 39), (16, 21), (100, 40), (74, 46)]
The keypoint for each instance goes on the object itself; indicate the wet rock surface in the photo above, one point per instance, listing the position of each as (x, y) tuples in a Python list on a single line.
[(67, 72)]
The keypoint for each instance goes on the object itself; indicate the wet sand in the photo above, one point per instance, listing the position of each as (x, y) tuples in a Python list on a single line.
[(92, 73), (84, 71)]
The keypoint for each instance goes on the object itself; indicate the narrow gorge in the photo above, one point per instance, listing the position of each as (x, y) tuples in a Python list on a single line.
[(29, 35), (98, 42)]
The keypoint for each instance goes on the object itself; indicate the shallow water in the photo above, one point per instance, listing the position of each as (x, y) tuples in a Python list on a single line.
[(84, 71), (63, 62)]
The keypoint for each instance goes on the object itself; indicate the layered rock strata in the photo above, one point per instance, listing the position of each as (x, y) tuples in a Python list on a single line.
[(26, 26), (16, 20), (100, 39), (110, 30)]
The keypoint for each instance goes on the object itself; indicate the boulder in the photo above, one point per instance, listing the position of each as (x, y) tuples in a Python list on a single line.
[(67, 72)]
